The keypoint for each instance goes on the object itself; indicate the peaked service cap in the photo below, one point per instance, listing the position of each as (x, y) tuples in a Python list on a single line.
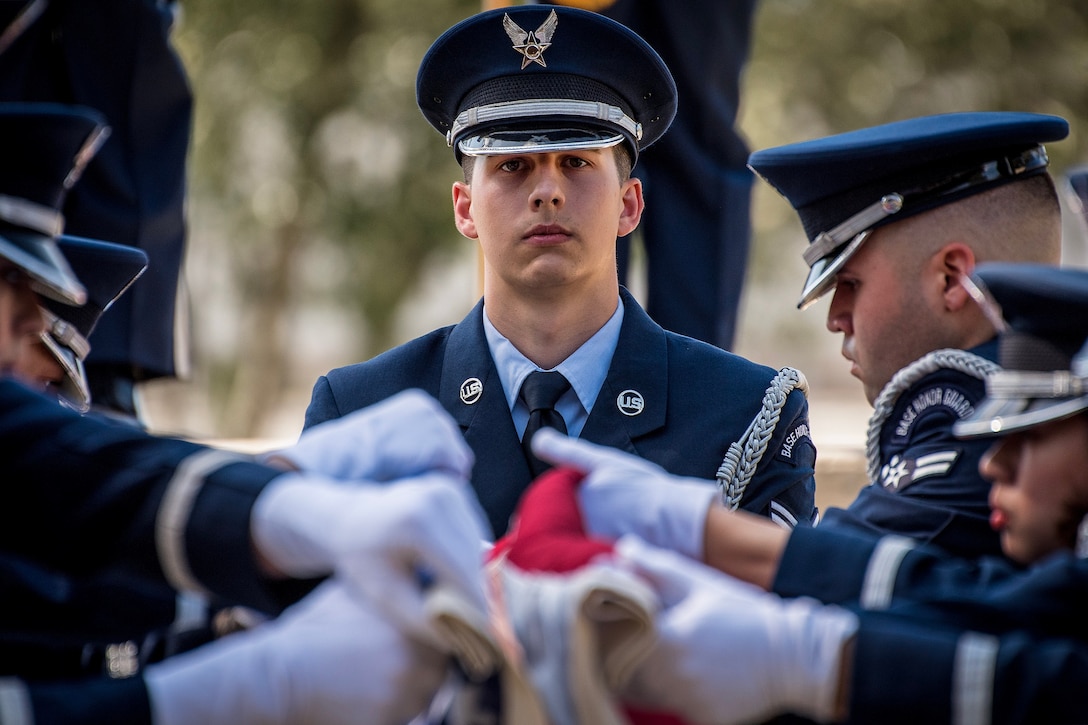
[(537, 78), (45, 148), (846, 185), (1043, 352), (106, 270)]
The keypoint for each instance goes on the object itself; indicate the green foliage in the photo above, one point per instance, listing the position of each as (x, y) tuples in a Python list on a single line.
[(825, 66), (308, 147), (306, 117)]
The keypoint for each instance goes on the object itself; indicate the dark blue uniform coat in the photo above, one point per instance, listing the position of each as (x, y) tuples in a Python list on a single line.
[(698, 400), (929, 487), (942, 636), (79, 561)]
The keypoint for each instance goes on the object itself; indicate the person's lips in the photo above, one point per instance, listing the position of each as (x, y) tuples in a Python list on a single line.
[(854, 369), (547, 234)]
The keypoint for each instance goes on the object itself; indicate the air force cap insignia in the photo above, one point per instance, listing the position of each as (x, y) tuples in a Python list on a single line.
[(531, 44)]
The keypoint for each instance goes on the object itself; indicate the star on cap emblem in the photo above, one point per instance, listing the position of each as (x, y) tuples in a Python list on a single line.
[(531, 44)]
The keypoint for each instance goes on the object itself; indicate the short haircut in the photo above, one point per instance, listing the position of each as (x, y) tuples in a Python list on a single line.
[(1015, 222)]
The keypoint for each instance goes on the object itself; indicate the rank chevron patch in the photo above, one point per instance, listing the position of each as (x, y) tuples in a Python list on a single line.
[(899, 472)]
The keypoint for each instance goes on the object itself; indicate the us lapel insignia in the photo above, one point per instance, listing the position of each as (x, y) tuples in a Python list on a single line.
[(471, 390), (533, 43), (630, 402)]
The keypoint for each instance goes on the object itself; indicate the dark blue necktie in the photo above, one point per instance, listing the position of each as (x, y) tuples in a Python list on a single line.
[(540, 392)]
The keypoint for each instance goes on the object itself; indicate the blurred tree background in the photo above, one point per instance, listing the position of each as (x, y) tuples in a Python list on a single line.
[(320, 199), (317, 192)]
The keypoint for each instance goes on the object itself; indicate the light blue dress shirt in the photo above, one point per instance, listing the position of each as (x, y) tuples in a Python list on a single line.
[(585, 369)]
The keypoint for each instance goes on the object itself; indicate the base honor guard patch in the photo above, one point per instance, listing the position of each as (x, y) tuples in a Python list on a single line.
[(797, 447), (947, 399)]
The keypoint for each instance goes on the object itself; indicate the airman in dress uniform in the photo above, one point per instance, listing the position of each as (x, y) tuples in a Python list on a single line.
[(547, 108), (897, 215)]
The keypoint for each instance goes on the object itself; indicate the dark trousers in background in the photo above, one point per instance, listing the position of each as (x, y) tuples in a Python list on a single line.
[(115, 56), (696, 228)]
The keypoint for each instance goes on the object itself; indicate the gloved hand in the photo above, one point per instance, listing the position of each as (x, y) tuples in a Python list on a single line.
[(625, 494), (405, 435), (728, 652), (328, 659), (386, 542)]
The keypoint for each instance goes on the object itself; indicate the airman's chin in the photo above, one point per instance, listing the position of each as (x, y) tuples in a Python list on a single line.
[(871, 392), (550, 270)]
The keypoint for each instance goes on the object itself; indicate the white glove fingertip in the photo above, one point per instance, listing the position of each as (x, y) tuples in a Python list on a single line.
[(421, 398), (561, 450), (463, 462), (634, 549), (663, 569)]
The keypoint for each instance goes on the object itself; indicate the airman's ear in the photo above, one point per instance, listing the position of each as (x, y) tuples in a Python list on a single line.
[(462, 210), (957, 260), (633, 206)]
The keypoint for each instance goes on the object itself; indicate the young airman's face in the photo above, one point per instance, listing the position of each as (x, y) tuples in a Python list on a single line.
[(1039, 491), (20, 318), (876, 308), (548, 221), (889, 304)]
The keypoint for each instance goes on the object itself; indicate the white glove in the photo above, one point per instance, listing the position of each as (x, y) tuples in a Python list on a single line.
[(728, 652), (625, 494), (328, 659), (386, 542), (405, 435)]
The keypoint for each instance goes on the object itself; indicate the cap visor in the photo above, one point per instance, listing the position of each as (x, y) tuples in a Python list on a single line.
[(821, 276), (40, 257), (998, 416), (509, 141)]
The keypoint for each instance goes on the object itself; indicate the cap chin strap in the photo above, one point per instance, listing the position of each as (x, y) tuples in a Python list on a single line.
[(1033, 384), (74, 390), (486, 145), (827, 243), (66, 334), (510, 110)]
